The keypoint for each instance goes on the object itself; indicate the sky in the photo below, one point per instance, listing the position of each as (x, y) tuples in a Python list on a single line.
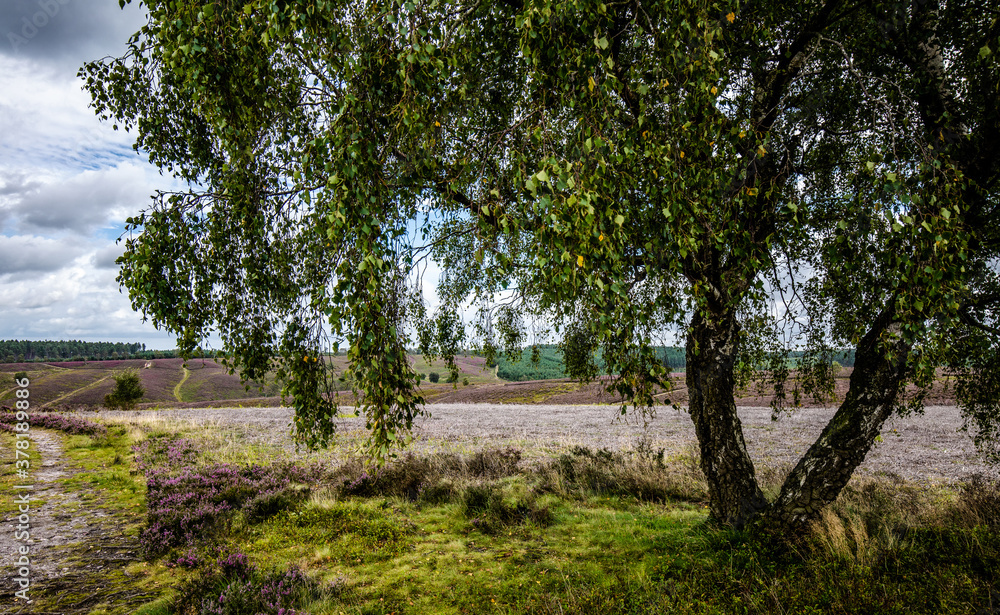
[(67, 180)]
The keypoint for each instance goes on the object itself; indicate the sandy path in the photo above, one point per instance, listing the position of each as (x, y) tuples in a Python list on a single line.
[(73, 540), (925, 447)]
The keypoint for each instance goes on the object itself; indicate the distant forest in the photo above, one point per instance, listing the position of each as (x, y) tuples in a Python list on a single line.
[(26, 351), (549, 362)]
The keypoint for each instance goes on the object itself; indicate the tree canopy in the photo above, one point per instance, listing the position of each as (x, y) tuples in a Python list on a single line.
[(759, 176)]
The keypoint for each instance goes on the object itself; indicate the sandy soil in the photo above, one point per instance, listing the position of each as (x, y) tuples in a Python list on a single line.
[(74, 541), (924, 448)]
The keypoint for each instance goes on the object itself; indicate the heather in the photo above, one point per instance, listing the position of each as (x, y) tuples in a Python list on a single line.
[(69, 424), (232, 585), (582, 528), (189, 505)]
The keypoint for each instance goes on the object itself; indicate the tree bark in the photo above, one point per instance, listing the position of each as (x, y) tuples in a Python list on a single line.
[(821, 474), (734, 495)]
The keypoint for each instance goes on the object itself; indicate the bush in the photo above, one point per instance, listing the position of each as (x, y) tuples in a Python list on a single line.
[(465, 382), (431, 479), (128, 389), (20, 375), (434, 377), (234, 586), (71, 425)]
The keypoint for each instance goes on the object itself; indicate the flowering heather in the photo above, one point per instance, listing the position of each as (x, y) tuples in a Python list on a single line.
[(69, 424), (189, 560), (187, 505), (164, 453), (234, 586)]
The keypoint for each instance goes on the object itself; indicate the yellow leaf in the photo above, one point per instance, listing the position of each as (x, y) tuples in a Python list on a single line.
[(714, 90), (761, 151), (438, 124), (590, 82), (682, 153), (579, 261), (731, 17), (742, 134), (600, 237)]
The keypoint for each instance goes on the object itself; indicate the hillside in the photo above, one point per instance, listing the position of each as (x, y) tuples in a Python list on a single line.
[(85, 383)]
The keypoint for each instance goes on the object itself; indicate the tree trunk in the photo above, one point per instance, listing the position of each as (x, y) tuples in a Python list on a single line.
[(734, 495), (826, 468)]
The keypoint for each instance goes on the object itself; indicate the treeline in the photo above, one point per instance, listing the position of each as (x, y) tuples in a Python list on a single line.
[(27, 351), (548, 362)]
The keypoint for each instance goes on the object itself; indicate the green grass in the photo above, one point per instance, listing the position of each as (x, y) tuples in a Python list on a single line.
[(601, 532), (582, 532), (8, 473)]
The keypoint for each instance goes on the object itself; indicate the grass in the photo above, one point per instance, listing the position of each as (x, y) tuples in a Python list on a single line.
[(8, 472), (602, 532), (473, 368), (490, 531)]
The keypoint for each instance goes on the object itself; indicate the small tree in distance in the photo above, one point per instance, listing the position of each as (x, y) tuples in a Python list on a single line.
[(128, 389)]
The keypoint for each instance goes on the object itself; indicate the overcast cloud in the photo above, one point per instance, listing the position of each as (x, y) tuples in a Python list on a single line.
[(67, 181)]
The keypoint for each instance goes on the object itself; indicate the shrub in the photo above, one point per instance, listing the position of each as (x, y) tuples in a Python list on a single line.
[(234, 586), (71, 425), (584, 472), (189, 506), (20, 375), (429, 479), (465, 382), (434, 376), (127, 391)]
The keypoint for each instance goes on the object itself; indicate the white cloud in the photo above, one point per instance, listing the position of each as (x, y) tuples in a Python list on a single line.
[(47, 125), (67, 181), (30, 254), (83, 202), (74, 302)]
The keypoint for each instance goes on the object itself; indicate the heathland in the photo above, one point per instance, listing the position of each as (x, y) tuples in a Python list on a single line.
[(543, 501)]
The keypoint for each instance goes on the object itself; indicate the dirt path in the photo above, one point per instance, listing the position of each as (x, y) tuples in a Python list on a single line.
[(74, 541), (74, 392), (177, 387)]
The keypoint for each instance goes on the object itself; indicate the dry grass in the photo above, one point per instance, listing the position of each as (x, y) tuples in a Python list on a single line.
[(927, 449)]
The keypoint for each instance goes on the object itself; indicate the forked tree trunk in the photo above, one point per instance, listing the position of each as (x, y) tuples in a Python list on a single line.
[(826, 468), (734, 495)]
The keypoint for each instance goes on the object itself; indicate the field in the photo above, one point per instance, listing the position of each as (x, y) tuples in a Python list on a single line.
[(83, 384), (172, 383), (511, 497), (495, 509)]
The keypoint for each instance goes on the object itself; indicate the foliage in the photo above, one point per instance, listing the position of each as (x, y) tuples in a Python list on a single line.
[(434, 377), (619, 171), (127, 391), (234, 586), (189, 506), (27, 350), (540, 363)]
